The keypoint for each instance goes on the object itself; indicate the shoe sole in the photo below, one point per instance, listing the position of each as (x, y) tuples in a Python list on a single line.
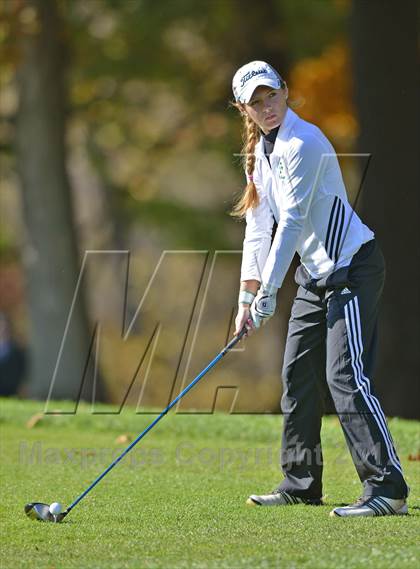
[(402, 512), (251, 502)]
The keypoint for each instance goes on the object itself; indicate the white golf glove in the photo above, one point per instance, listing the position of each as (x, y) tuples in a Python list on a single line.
[(263, 306)]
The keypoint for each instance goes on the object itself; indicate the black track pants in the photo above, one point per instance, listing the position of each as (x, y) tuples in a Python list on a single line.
[(332, 336)]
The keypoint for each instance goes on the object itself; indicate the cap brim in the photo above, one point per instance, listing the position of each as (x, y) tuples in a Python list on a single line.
[(247, 93)]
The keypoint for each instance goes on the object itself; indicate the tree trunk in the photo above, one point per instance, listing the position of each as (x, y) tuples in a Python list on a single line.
[(50, 254), (384, 41)]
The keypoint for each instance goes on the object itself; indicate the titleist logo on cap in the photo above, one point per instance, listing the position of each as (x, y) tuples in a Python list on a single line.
[(252, 74)]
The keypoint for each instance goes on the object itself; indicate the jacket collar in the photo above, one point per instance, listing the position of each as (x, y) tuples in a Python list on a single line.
[(288, 121)]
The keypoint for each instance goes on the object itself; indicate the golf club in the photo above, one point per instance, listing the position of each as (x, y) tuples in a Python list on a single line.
[(41, 512)]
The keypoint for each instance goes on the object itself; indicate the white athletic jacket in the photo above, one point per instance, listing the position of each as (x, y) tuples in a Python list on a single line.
[(304, 192)]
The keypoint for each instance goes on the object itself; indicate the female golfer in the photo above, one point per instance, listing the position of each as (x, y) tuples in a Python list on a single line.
[(294, 180)]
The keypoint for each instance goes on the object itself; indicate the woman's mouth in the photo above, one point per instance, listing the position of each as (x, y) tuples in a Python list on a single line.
[(270, 117)]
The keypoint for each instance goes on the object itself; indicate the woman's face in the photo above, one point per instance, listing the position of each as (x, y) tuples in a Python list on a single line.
[(267, 107)]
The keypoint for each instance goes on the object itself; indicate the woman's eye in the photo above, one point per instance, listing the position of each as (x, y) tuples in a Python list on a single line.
[(272, 95)]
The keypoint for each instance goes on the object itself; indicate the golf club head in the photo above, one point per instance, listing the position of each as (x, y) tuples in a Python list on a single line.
[(41, 512)]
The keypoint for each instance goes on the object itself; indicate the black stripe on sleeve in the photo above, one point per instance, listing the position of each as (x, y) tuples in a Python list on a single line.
[(330, 222), (340, 231), (330, 247)]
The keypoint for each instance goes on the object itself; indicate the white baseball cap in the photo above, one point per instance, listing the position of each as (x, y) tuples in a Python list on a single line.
[(250, 76)]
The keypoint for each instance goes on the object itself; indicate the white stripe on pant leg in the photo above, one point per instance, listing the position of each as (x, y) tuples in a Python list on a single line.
[(358, 374), (355, 318), (376, 403), (356, 371), (380, 414), (364, 384)]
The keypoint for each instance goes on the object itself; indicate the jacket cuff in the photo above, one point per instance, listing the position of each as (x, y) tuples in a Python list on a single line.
[(269, 288)]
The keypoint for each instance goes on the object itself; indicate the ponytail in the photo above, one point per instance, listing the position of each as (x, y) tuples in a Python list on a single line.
[(251, 135)]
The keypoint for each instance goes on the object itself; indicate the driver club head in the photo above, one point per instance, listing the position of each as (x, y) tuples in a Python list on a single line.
[(41, 512)]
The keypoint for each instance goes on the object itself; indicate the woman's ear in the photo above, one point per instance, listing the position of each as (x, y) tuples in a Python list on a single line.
[(242, 110)]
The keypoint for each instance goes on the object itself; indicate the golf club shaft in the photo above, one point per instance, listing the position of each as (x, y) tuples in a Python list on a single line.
[(228, 347)]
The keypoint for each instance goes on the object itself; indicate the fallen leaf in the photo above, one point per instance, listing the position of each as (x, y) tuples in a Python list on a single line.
[(125, 438), (414, 457), (34, 420)]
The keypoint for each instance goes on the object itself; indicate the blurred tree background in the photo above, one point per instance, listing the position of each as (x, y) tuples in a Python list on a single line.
[(117, 137)]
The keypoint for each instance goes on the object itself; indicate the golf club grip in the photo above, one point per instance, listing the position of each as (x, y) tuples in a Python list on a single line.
[(228, 347), (235, 340)]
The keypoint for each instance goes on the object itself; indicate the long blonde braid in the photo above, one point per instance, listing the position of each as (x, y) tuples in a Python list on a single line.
[(251, 135)]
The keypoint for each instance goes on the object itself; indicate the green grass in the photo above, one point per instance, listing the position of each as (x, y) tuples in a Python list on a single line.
[(178, 500)]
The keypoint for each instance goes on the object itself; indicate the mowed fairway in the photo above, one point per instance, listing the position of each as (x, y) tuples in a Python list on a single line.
[(179, 499)]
